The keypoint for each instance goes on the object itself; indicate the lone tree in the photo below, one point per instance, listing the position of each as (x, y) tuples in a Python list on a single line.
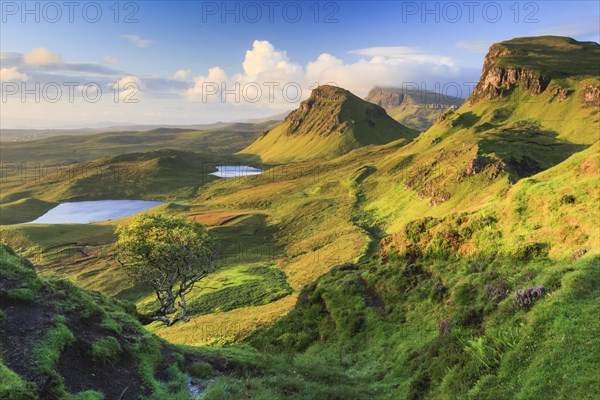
[(171, 255)]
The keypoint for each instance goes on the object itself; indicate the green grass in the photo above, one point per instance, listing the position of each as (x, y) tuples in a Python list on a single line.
[(23, 210), (554, 55), (69, 149), (106, 349), (146, 176), (12, 387), (47, 350)]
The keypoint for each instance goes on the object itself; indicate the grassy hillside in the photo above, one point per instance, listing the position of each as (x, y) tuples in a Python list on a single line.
[(69, 149), (461, 264), (60, 342), (416, 109), (330, 123)]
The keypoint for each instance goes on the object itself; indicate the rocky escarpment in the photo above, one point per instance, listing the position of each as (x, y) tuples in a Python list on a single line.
[(591, 95), (391, 98), (386, 98), (498, 81)]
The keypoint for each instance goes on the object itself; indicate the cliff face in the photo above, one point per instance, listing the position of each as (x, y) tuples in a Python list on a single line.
[(549, 64), (414, 108), (591, 95), (385, 98), (500, 81)]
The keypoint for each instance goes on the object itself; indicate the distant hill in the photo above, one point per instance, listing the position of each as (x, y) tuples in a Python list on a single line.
[(26, 134), (331, 122), (417, 109)]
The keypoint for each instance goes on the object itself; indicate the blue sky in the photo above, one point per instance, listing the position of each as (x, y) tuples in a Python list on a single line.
[(172, 56)]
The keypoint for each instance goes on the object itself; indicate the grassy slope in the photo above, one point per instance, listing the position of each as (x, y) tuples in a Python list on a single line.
[(331, 122), (438, 320), (60, 342), (73, 149), (148, 176), (249, 275)]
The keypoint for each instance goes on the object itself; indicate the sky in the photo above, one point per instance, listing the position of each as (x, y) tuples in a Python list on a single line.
[(71, 64)]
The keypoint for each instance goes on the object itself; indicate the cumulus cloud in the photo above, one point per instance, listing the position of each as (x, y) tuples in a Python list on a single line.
[(41, 56), (12, 75), (266, 72), (205, 84), (265, 65), (138, 41), (264, 58), (182, 74), (130, 88)]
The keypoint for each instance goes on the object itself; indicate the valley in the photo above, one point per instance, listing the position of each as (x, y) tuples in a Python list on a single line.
[(361, 255)]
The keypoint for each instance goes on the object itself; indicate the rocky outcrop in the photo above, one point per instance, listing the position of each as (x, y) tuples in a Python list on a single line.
[(560, 94), (498, 81), (591, 94), (493, 167)]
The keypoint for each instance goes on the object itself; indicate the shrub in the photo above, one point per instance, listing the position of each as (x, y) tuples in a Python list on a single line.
[(568, 199), (529, 251), (525, 298)]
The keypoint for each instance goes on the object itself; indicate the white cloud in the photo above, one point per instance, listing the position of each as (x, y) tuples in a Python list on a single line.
[(266, 71), (41, 56), (110, 59), (378, 66), (477, 47), (216, 75), (402, 55), (130, 88), (12, 74), (138, 41), (182, 74), (263, 57)]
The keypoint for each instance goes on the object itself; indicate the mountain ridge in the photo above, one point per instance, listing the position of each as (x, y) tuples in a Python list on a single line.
[(331, 122), (415, 108)]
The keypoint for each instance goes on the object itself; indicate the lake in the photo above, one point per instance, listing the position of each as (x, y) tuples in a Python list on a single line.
[(236, 171), (85, 212)]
